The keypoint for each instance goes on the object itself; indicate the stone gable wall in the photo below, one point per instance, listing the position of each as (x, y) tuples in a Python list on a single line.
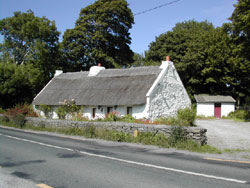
[(169, 96)]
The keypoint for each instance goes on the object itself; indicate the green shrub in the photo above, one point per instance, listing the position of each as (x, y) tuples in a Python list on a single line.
[(47, 110), (61, 112), (186, 116), (112, 117), (178, 134), (19, 120), (5, 118), (70, 108), (240, 114), (2, 111), (128, 118)]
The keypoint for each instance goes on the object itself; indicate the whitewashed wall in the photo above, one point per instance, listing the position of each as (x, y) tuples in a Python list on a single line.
[(41, 113), (168, 94), (205, 109), (138, 112), (226, 108)]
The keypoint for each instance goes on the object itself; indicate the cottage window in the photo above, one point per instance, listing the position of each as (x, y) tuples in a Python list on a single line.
[(129, 110), (93, 112), (109, 110)]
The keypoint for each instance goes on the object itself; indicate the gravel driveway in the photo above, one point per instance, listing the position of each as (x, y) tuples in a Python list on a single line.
[(227, 134)]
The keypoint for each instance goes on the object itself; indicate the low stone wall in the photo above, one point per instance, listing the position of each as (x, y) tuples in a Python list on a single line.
[(195, 133)]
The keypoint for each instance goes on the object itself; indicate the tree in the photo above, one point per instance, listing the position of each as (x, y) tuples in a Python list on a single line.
[(139, 60), (202, 55), (239, 31), (14, 85), (28, 56), (241, 25), (30, 40), (101, 34), (184, 45)]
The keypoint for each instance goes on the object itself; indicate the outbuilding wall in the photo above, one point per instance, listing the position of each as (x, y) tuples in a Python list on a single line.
[(226, 108), (205, 109)]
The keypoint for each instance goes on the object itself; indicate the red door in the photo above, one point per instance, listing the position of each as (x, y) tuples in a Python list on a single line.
[(217, 110)]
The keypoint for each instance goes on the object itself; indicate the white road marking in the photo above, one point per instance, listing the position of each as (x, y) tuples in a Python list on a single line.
[(131, 162)]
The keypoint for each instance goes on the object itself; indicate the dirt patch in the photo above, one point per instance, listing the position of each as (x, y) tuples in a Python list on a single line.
[(227, 134)]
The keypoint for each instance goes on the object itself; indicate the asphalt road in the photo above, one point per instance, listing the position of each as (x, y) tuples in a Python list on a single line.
[(61, 162)]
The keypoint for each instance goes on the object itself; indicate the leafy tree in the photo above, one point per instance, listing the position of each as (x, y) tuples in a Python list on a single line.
[(241, 25), (184, 45), (14, 85), (203, 56), (239, 31), (139, 59), (30, 40), (28, 56), (101, 34)]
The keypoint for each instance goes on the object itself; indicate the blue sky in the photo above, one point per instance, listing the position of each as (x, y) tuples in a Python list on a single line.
[(147, 26)]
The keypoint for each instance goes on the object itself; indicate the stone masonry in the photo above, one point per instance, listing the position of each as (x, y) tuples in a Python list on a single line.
[(169, 96), (195, 133)]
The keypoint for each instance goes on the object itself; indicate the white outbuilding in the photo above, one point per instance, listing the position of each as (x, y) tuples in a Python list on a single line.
[(214, 105)]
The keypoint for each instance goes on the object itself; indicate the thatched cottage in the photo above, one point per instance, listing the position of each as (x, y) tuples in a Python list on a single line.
[(143, 92)]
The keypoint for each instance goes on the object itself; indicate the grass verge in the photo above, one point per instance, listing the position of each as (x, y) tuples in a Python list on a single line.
[(174, 141), (236, 150)]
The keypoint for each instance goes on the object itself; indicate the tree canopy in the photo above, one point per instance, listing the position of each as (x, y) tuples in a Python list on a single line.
[(239, 31), (241, 26), (101, 35), (204, 57), (28, 56)]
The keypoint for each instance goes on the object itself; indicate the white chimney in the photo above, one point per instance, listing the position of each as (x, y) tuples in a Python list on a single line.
[(164, 64), (58, 72), (94, 70)]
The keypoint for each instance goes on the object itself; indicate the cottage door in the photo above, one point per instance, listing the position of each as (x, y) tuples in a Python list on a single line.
[(217, 110)]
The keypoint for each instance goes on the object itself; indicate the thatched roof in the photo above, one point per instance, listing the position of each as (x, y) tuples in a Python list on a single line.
[(214, 99), (110, 87)]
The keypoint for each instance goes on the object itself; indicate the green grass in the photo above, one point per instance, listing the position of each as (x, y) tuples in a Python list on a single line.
[(144, 138), (236, 150), (246, 157), (202, 117), (194, 147)]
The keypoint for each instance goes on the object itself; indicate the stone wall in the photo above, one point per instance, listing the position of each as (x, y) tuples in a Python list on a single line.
[(195, 133)]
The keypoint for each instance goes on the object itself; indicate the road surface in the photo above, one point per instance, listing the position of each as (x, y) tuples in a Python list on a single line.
[(60, 162)]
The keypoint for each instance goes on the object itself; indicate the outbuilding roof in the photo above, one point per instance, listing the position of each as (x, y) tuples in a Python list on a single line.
[(109, 87), (214, 99)]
